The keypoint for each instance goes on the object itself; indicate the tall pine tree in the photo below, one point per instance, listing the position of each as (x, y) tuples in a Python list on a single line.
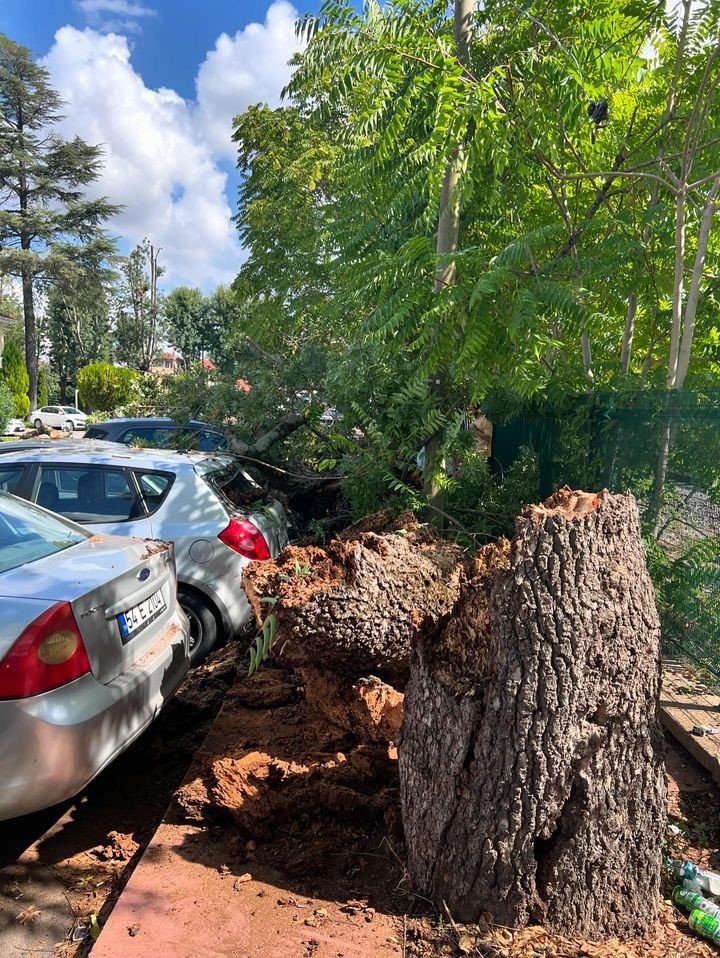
[(48, 229)]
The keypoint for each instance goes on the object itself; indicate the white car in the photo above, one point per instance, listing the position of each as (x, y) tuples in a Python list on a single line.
[(205, 503), (14, 427), (68, 418)]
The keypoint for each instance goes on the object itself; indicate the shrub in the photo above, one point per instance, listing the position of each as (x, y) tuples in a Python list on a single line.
[(103, 386), (7, 405), (16, 378)]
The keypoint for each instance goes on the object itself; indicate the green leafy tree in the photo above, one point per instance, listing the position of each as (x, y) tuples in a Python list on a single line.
[(77, 328), (105, 387), (47, 226), (7, 405), (188, 320), (43, 386), (15, 377), (139, 321)]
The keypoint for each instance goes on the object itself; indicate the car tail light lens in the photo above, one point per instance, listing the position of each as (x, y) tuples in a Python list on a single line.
[(245, 538), (48, 654)]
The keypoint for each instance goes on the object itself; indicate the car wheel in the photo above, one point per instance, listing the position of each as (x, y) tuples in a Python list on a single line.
[(68, 427), (38, 425), (203, 626)]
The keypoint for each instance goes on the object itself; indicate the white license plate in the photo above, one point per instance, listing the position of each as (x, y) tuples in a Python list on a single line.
[(142, 614)]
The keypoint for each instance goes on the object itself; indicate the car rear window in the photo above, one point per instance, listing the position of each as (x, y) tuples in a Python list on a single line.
[(154, 487), (28, 534), (95, 432), (229, 478)]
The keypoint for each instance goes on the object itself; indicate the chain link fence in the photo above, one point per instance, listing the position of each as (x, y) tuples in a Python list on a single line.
[(665, 449)]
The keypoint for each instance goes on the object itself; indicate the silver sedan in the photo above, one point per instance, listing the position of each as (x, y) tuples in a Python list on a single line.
[(92, 644)]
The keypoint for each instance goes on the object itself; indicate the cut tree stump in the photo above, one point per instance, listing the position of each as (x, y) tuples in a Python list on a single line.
[(354, 607), (531, 766)]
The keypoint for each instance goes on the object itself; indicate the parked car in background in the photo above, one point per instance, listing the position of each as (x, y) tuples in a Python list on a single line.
[(206, 504), (160, 433), (14, 427), (92, 644), (68, 418)]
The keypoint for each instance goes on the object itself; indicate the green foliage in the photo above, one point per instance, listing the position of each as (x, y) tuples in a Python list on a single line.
[(7, 405), (15, 376), (188, 323), (264, 641), (103, 386), (560, 220), (43, 391), (139, 323), (49, 230)]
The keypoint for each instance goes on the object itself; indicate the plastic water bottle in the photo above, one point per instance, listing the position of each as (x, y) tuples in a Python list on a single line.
[(698, 879), (694, 901), (705, 925)]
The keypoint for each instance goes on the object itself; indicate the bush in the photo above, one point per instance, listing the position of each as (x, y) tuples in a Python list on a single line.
[(16, 378), (7, 406), (105, 387)]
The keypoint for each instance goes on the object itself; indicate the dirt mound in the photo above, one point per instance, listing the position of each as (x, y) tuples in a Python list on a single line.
[(283, 760)]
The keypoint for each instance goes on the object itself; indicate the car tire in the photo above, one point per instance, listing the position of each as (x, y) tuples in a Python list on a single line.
[(68, 427), (38, 425), (203, 626)]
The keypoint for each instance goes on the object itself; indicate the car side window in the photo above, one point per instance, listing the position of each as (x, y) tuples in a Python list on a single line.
[(87, 494), (154, 487), (10, 476)]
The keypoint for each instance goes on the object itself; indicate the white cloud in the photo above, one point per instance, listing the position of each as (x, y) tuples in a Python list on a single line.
[(115, 16), (250, 67), (123, 7), (162, 152)]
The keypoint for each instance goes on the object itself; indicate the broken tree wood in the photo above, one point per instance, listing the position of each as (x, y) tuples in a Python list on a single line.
[(355, 606), (532, 776)]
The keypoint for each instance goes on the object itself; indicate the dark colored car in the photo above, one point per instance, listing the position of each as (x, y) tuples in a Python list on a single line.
[(156, 432)]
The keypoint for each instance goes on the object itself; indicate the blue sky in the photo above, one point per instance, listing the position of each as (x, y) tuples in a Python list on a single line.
[(157, 82)]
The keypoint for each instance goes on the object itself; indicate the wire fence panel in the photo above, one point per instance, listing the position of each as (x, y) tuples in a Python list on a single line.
[(665, 449)]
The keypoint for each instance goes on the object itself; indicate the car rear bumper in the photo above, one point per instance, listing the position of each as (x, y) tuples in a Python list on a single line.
[(53, 745)]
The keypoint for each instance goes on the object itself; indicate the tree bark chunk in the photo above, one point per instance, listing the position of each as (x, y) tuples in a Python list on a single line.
[(532, 777), (355, 607)]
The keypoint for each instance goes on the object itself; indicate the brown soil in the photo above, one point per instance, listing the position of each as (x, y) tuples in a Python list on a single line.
[(305, 806)]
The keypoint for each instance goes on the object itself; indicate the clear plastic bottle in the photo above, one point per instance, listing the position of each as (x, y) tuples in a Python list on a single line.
[(694, 901), (705, 925), (698, 879)]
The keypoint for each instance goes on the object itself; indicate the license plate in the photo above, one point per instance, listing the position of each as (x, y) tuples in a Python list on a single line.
[(142, 614)]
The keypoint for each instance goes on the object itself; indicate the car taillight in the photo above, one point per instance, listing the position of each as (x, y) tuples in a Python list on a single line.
[(48, 654), (244, 537)]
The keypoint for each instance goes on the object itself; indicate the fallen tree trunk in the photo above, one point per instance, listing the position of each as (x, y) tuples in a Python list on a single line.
[(532, 778), (355, 607)]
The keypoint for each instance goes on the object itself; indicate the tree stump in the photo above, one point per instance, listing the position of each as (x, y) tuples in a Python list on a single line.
[(355, 606), (532, 777)]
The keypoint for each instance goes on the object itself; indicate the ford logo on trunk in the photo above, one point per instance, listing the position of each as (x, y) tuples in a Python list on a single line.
[(143, 574)]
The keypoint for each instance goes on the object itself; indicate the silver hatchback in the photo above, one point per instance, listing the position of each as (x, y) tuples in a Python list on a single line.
[(218, 518), (92, 644)]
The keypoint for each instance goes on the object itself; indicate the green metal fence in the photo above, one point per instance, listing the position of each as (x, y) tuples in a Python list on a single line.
[(665, 448)]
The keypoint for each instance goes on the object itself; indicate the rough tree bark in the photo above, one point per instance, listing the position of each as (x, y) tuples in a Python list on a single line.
[(355, 607), (531, 766)]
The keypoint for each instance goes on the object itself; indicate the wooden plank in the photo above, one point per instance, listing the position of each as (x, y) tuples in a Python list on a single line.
[(685, 703)]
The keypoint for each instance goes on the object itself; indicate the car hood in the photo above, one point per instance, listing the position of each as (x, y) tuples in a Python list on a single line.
[(76, 570)]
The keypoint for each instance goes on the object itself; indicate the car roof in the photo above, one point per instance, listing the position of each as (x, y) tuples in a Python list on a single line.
[(155, 421), (99, 452)]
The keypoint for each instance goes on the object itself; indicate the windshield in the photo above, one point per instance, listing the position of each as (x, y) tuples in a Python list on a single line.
[(28, 533), (73, 411)]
